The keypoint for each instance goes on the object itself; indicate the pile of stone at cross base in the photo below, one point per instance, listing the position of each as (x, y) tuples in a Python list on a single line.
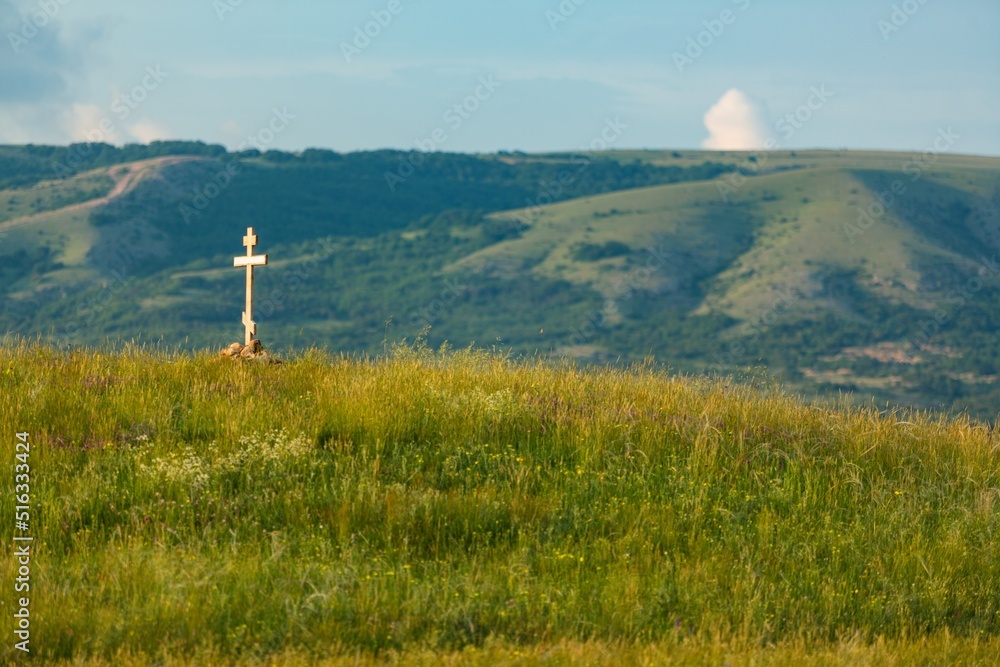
[(252, 352)]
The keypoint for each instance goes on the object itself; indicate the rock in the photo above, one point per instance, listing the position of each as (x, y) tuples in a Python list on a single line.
[(265, 358), (232, 351), (252, 352)]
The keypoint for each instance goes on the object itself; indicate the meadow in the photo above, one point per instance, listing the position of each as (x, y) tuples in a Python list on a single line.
[(463, 507), (711, 261)]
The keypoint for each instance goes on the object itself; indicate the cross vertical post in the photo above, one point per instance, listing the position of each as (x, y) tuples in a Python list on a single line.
[(250, 261)]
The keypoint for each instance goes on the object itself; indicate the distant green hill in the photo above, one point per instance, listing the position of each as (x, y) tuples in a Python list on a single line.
[(866, 272)]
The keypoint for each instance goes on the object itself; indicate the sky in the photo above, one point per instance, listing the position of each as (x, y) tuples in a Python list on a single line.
[(491, 75)]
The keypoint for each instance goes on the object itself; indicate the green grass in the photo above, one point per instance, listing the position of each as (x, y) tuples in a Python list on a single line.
[(53, 195), (844, 159), (686, 221), (45, 241), (781, 231), (767, 276), (469, 508)]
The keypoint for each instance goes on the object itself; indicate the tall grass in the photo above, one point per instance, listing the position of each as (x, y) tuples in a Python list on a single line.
[(458, 501)]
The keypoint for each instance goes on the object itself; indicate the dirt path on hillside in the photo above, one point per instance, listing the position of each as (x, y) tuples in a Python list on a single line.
[(126, 178)]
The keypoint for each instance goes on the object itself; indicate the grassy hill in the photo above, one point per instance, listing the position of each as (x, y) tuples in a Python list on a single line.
[(783, 231), (189, 509), (840, 271)]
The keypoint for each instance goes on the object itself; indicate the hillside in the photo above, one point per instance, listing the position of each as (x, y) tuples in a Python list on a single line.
[(421, 507), (871, 273)]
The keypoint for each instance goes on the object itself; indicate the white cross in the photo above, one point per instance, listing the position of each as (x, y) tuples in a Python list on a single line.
[(250, 261)]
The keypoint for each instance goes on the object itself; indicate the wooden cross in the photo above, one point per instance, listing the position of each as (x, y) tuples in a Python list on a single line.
[(250, 261)]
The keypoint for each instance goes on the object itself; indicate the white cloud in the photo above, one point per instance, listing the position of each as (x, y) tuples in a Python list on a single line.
[(88, 122), (146, 131), (231, 132), (734, 123)]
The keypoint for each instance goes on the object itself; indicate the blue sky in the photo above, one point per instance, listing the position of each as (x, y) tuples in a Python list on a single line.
[(890, 74)]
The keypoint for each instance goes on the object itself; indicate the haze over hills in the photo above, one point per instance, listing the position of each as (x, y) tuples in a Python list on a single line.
[(837, 270)]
